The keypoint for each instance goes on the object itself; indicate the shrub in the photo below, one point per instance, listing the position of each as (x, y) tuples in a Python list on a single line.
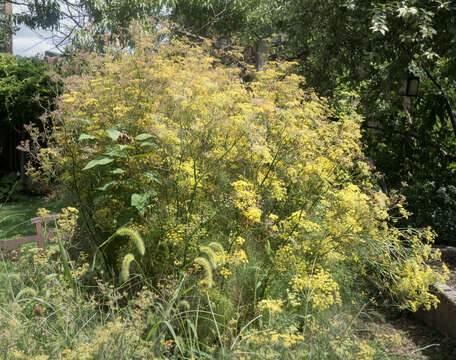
[(433, 204), (26, 91), (171, 143)]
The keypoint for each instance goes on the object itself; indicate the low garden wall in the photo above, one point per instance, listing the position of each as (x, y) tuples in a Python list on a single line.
[(443, 318)]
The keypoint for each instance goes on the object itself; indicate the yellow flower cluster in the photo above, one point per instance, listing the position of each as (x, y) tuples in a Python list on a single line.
[(365, 352), (319, 288), (416, 278), (175, 237), (246, 200), (273, 306), (233, 259), (67, 221), (42, 212)]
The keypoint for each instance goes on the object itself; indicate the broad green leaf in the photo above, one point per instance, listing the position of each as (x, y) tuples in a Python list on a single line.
[(147, 143), (142, 137), (153, 176), (113, 133), (107, 185), (86, 137), (118, 171), (98, 162), (140, 201), (116, 151)]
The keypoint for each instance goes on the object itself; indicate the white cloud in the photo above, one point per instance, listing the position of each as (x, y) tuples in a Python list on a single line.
[(28, 42)]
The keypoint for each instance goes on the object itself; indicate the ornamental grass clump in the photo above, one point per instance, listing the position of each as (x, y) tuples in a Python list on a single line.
[(170, 142)]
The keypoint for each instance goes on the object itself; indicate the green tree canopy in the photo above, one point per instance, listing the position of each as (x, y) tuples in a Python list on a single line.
[(26, 91), (22, 83)]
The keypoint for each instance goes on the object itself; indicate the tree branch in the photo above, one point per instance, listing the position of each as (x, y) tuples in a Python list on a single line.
[(189, 34), (416, 136), (447, 102)]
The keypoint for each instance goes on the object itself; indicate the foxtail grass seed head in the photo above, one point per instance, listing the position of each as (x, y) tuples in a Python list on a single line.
[(184, 304), (135, 237), (212, 257), (219, 249), (125, 271), (206, 265), (26, 292)]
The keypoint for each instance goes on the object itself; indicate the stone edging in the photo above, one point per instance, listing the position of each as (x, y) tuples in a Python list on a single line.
[(443, 318)]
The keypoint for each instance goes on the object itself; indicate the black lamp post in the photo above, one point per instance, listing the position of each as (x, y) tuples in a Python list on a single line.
[(412, 85)]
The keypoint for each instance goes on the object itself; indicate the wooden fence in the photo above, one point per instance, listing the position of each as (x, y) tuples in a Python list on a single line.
[(11, 248)]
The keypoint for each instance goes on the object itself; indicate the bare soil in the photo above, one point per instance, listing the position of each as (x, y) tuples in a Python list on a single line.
[(409, 338), (418, 341)]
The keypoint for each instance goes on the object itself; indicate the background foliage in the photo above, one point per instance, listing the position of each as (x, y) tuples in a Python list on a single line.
[(26, 91)]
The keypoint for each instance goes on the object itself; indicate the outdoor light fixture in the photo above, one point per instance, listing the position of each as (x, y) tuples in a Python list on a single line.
[(413, 82)]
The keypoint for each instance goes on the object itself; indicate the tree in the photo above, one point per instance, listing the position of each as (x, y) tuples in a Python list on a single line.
[(6, 27), (368, 48), (85, 23), (26, 90)]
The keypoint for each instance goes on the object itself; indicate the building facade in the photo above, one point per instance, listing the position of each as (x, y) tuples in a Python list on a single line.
[(6, 37)]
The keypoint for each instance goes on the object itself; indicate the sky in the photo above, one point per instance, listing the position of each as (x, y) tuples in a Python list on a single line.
[(28, 42)]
